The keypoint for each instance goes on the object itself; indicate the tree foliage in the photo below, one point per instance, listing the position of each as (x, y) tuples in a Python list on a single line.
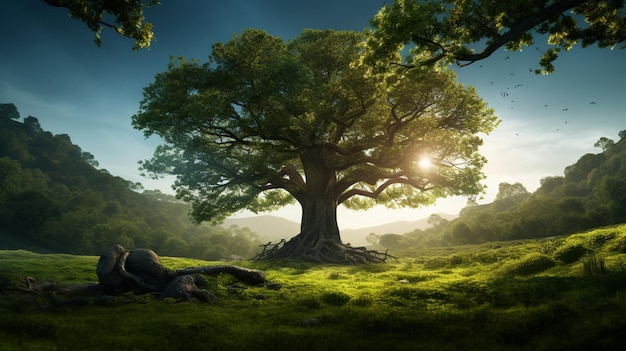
[(466, 31), (9, 111), (604, 143), (128, 18), (265, 122)]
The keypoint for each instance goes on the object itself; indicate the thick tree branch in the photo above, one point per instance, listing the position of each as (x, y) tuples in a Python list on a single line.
[(515, 32), (293, 174), (347, 122), (520, 28), (374, 194), (443, 52), (290, 180)]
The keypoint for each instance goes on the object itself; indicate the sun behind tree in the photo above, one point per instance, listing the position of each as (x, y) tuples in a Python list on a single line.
[(265, 122)]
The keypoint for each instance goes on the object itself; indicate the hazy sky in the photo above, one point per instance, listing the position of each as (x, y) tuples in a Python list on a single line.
[(51, 69)]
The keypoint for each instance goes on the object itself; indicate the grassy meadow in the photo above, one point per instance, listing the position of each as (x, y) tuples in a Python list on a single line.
[(559, 293)]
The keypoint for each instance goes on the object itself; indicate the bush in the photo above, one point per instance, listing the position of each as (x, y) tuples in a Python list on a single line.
[(570, 253), (530, 264)]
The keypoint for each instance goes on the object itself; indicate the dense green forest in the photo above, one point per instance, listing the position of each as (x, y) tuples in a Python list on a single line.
[(54, 197), (590, 194)]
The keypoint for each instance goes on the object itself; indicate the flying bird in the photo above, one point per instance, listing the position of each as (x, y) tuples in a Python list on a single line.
[(592, 103), (506, 58), (565, 109)]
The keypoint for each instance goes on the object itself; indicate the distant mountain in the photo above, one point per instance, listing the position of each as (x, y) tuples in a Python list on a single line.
[(273, 228)]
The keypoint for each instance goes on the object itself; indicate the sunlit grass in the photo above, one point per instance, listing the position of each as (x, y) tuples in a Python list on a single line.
[(496, 296)]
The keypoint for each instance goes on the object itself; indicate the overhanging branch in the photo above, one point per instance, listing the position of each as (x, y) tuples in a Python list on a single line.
[(63, 4), (519, 29), (514, 32)]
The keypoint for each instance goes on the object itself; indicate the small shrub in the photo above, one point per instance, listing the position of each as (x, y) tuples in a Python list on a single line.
[(570, 253), (531, 264), (594, 265), (335, 298)]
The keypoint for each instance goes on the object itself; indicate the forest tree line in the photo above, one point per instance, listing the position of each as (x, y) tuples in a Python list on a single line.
[(591, 193), (52, 195)]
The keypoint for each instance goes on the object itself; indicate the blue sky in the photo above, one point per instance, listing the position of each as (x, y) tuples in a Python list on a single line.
[(50, 68)]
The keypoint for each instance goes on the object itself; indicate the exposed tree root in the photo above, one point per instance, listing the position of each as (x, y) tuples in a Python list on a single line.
[(322, 251), (248, 276)]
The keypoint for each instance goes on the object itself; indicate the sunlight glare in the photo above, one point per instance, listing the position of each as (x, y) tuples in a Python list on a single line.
[(425, 163)]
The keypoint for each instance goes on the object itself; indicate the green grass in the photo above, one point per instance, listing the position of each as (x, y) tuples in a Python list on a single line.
[(498, 296)]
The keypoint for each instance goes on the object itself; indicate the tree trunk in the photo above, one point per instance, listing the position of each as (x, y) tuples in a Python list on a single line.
[(319, 239), (319, 207)]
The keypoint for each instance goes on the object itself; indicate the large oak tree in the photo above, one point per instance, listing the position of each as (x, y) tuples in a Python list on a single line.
[(466, 31), (265, 122)]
